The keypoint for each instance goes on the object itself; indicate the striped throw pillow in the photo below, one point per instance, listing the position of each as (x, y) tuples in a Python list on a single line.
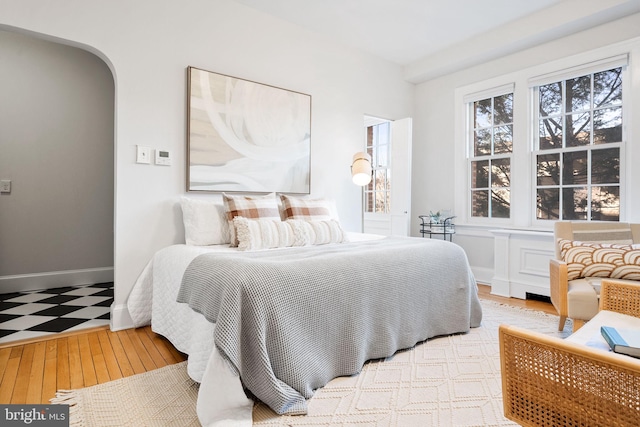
[(585, 259), (253, 207), (257, 234), (322, 232), (305, 209)]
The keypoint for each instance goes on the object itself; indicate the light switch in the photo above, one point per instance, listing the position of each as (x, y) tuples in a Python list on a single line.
[(143, 154), (5, 186)]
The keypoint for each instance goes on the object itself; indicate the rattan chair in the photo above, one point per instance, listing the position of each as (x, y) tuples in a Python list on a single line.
[(547, 381)]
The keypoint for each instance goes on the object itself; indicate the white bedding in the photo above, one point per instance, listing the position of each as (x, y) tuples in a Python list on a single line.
[(153, 301)]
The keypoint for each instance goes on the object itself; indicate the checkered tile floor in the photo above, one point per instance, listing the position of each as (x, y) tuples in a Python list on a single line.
[(33, 314)]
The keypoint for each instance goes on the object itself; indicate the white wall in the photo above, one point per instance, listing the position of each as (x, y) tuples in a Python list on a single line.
[(148, 44), (56, 146), (437, 183)]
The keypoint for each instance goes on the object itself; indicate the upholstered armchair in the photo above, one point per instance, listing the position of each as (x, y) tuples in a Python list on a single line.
[(577, 297)]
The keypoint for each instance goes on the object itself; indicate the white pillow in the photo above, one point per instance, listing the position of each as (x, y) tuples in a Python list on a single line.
[(205, 222), (256, 234), (322, 232)]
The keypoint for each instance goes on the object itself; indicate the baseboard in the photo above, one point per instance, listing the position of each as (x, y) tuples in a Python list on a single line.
[(500, 287), (54, 279), (120, 318), (482, 274)]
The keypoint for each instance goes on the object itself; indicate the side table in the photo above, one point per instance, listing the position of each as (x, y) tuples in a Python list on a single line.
[(445, 227)]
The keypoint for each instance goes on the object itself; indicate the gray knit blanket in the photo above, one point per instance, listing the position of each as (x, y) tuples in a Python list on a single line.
[(289, 321)]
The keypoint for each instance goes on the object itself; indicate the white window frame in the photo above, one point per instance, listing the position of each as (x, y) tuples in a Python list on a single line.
[(523, 213), (618, 61), (376, 167), (469, 101)]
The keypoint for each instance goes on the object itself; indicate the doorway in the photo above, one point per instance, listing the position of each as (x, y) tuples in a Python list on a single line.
[(387, 198), (57, 140)]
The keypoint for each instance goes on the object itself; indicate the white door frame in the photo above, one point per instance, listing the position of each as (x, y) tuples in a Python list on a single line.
[(398, 221)]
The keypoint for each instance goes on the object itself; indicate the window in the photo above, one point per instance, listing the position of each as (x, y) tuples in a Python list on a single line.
[(548, 143), (491, 137), (378, 143), (577, 147)]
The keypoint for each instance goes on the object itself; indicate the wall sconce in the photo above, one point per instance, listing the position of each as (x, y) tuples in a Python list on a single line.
[(361, 170)]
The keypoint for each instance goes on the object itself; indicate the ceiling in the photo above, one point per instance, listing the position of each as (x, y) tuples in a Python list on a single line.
[(433, 37)]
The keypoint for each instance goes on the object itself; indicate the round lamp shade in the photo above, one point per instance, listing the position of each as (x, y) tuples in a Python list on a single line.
[(361, 169)]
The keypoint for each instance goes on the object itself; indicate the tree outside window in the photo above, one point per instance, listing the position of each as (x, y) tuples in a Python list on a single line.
[(490, 159), (377, 194), (579, 130)]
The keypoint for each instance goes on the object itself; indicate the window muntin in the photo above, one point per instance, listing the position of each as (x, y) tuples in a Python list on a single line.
[(377, 193), (490, 160), (577, 156)]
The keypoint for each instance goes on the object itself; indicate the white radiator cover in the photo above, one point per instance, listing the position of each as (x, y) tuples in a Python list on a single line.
[(521, 262)]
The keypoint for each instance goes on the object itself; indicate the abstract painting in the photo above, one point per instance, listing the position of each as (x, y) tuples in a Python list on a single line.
[(245, 136)]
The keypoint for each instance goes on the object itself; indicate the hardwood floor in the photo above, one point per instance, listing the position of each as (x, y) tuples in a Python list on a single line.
[(32, 371), (484, 292)]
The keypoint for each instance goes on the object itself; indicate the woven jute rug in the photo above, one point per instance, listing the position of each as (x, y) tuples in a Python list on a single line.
[(445, 381)]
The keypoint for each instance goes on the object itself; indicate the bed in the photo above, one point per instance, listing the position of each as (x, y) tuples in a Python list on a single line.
[(278, 324)]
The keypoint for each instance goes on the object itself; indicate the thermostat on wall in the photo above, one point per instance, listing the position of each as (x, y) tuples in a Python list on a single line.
[(163, 157)]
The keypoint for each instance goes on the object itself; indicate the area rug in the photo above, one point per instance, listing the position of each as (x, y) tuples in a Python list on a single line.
[(445, 381)]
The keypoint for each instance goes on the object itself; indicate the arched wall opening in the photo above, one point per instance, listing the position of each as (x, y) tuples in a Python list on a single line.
[(58, 145)]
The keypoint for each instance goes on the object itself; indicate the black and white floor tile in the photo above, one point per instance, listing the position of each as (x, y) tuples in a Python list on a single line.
[(33, 314)]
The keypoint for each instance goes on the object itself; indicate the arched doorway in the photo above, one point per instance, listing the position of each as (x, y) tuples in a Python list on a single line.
[(57, 145)]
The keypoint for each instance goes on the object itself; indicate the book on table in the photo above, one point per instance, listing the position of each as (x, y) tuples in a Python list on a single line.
[(623, 341)]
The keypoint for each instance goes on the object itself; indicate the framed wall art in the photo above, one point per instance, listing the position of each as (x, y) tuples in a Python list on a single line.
[(245, 136)]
